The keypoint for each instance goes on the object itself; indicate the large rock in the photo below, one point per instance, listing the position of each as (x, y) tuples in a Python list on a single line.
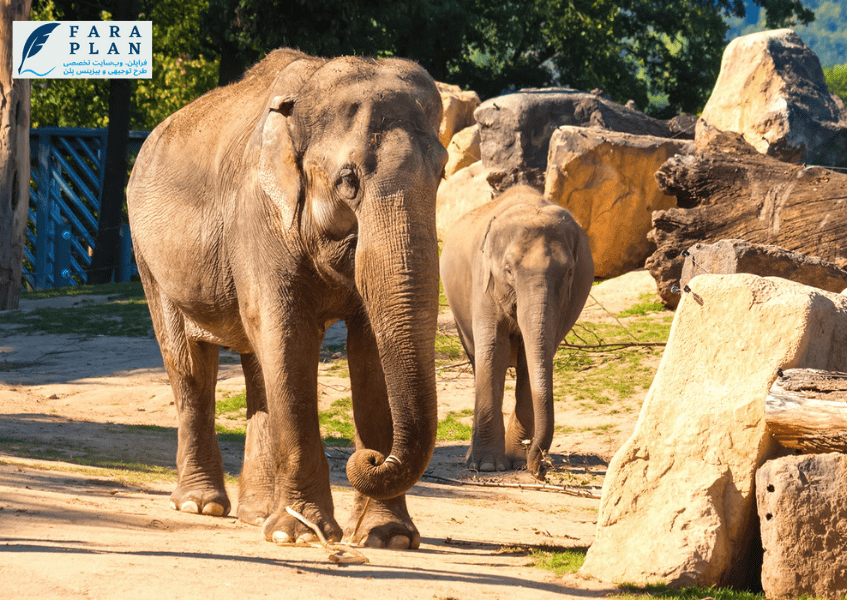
[(771, 89), (739, 256), (463, 150), (459, 107), (515, 129), (462, 193), (802, 504), (678, 503), (605, 179)]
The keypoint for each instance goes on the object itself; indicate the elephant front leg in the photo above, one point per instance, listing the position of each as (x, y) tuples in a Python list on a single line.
[(374, 523), (300, 469), (492, 349), (521, 424)]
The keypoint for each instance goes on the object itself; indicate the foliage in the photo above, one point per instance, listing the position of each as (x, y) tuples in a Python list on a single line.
[(180, 70), (826, 35), (836, 80)]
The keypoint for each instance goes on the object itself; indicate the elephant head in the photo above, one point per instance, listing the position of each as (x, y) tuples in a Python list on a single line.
[(349, 154)]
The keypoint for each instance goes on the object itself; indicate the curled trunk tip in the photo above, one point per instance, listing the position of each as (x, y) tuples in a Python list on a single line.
[(373, 475)]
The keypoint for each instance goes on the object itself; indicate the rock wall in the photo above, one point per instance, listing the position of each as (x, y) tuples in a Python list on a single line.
[(678, 503), (771, 89), (605, 179)]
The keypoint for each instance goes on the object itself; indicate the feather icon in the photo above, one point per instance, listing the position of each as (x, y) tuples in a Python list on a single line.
[(35, 41)]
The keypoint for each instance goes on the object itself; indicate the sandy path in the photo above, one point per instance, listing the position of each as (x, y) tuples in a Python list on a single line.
[(78, 532)]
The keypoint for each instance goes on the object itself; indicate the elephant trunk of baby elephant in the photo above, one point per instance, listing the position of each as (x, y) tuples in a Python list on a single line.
[(536, 319), (397, 276)]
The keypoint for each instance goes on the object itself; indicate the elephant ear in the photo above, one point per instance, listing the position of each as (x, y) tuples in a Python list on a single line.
[(488, 258), (279, 174)]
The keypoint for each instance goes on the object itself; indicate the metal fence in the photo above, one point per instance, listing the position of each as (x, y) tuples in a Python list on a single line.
[(67, 170)]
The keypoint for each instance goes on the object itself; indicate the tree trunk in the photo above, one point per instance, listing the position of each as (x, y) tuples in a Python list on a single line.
[(14, 158), (727, 190), (112, 199), (806, 409)]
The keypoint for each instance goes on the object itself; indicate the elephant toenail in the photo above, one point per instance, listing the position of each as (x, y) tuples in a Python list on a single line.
[(399, 542), (306, 538), (190, 506), (281, 538), (213, 509), (373, 542), (174, 506), (486, 466)]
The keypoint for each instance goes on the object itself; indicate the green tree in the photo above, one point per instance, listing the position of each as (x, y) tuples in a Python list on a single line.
[(181, 71), (664, 54), (836, 80)]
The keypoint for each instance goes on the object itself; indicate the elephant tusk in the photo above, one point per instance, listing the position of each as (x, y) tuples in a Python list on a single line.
[(392, 459)]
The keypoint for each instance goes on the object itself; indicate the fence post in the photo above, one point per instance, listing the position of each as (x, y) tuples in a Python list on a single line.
[(43, 212), (124, 271), (62, 257)]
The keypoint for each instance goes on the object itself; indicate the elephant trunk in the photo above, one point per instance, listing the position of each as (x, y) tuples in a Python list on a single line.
[(397, 276), (536, 319)]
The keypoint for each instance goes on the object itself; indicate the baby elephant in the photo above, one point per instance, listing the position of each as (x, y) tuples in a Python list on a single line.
[(517, 272)]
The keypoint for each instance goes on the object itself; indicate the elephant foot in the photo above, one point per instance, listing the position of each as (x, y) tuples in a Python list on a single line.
[(487, 460), (385, 524), (203, 501), (516, 454), (253, 510), (285, 529)]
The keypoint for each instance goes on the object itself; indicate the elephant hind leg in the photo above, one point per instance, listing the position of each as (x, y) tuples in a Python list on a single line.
[(192, 368), (256, 483)]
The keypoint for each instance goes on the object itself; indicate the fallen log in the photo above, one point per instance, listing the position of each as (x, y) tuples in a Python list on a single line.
[(806, 409), (728, 190)]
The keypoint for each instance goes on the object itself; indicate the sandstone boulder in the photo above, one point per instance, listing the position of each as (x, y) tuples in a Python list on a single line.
[(802, 504), (458, 106), (740, 256), (771, 89), (515, 129), (463, 150), (605, 179), (463, 192), (678, 503)]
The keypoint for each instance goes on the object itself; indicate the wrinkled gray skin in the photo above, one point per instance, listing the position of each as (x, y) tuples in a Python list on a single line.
[(263, 212), (517, 273)]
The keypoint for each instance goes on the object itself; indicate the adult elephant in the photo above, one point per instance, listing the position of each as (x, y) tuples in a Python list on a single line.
[(517, 272), (261, 213)]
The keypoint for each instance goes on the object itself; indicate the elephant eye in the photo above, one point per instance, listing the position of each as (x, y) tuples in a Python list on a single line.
[(347, 184)]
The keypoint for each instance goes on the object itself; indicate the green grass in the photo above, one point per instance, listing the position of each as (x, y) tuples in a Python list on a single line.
[(648, 304), (125, 291), (451, 429), (560, 561), (337, 427), (87, 457), (120, 317), (231, 403), (448, 349), (632, 592), (603, 376)]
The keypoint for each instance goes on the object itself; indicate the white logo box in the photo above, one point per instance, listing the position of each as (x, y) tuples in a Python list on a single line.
[(82, 49)]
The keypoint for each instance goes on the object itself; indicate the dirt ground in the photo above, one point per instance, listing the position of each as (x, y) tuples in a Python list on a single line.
[(71, 531)]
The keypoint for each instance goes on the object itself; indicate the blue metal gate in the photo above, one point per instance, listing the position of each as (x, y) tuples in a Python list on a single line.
[(67, 170)]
